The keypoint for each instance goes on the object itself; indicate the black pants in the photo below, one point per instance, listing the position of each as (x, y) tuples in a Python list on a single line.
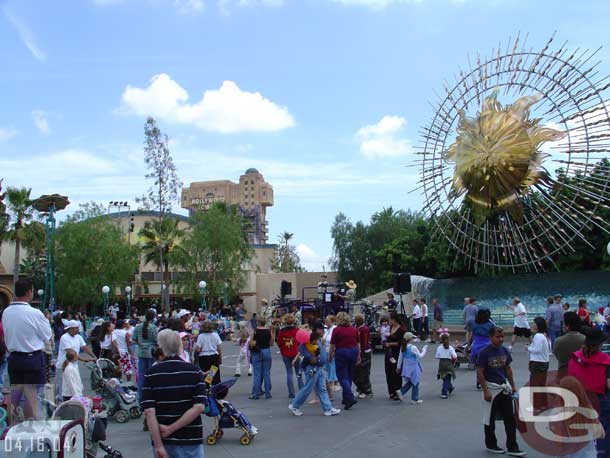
[(502, 405), (417, 326), (206, 362), (393, 379), (425, 329), (362, 375), (27, 368)]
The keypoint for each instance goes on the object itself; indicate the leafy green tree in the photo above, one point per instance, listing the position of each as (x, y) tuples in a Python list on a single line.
[(163, 192), (89, 254), (216, 250), (286, 258), (21, 213)]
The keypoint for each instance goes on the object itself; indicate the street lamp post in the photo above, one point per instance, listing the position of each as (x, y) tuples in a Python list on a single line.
[(105, 291), (226, 294), (128, 297), (50, 204), (202, 285), (163, 288), (40, 293)]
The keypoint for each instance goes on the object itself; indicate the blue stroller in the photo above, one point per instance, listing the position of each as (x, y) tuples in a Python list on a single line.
[(225, 415)]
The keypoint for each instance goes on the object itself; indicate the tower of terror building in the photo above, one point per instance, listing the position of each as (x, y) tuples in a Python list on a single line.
[(252, 195)]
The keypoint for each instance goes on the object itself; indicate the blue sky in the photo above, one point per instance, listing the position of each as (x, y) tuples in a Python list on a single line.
[(324, 97)]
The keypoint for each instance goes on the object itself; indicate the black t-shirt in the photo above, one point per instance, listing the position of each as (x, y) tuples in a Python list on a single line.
[(262, 338)]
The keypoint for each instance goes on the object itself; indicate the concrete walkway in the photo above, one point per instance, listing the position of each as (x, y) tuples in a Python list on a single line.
[(437, 428)]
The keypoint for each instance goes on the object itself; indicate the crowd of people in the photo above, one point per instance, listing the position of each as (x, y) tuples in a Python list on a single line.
[(171, 354)]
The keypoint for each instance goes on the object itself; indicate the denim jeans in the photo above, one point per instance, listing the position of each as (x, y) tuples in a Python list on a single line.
[(289, 379), (183, 451), (345, 362), (3, 371), (314, 380), (603, 445), (414, 393), (553, 334), (447, 385), (261, 363), (143, 365)]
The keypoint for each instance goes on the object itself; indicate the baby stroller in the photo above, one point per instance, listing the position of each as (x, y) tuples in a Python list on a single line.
[(70, 433), (225, 415), (463, 355), (120, 400), (94, 425)]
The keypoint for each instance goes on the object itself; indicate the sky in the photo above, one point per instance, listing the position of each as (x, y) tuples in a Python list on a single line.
[(326, 98)]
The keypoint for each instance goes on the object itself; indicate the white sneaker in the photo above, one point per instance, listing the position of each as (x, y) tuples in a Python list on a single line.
[(296, 412), (362, 396), (419, 401), (332, 412)]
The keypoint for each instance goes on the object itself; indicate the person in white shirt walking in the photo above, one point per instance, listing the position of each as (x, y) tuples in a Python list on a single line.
[(72, 384), (26, 333), (522, 326), (539, 358), (123, 342), (417, 316), (71, 340), (447, 357)]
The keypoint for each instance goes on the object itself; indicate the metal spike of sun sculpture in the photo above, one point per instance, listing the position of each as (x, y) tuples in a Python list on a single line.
[(488, 154)]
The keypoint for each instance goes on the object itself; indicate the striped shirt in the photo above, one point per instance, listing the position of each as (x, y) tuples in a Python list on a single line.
[(172, 387)]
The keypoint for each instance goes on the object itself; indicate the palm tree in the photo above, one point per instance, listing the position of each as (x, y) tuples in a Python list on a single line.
[(161, 243), (21, 212), (35, 238), (3, 221)]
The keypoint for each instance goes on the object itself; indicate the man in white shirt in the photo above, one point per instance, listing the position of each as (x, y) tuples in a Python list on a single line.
[(522, 327), (425, 328), (26, 332), (113, 310), (70, 340), (417, 315)]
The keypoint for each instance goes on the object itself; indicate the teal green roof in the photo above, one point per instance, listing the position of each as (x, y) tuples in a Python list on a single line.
[(251, 170)]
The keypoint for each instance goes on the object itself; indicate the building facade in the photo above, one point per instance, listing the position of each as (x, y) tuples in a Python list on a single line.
[(252, 195)]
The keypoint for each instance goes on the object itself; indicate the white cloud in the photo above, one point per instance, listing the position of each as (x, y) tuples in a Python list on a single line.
[(375, 4), (189, 6), (311, 260), (182, 6), (225, 6), (26, 35), (6, 133), (225, 110), (40, 121), (107, 2), (382, 140)]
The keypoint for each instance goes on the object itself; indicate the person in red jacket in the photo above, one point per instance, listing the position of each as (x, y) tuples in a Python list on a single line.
[(289, 347)]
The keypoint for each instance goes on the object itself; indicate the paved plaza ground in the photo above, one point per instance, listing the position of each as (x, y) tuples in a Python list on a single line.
[(437, 428)]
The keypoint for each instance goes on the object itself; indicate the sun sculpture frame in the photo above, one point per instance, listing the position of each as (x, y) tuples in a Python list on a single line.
[(486, 161)]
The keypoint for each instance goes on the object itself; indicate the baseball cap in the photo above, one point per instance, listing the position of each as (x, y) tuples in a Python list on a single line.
[(72, 324), (182, 313)]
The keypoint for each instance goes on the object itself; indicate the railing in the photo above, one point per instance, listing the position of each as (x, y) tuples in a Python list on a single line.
[(456, 318)]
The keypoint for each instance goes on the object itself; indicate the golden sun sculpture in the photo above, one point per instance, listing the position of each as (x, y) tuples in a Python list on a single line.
[(497, 156)]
